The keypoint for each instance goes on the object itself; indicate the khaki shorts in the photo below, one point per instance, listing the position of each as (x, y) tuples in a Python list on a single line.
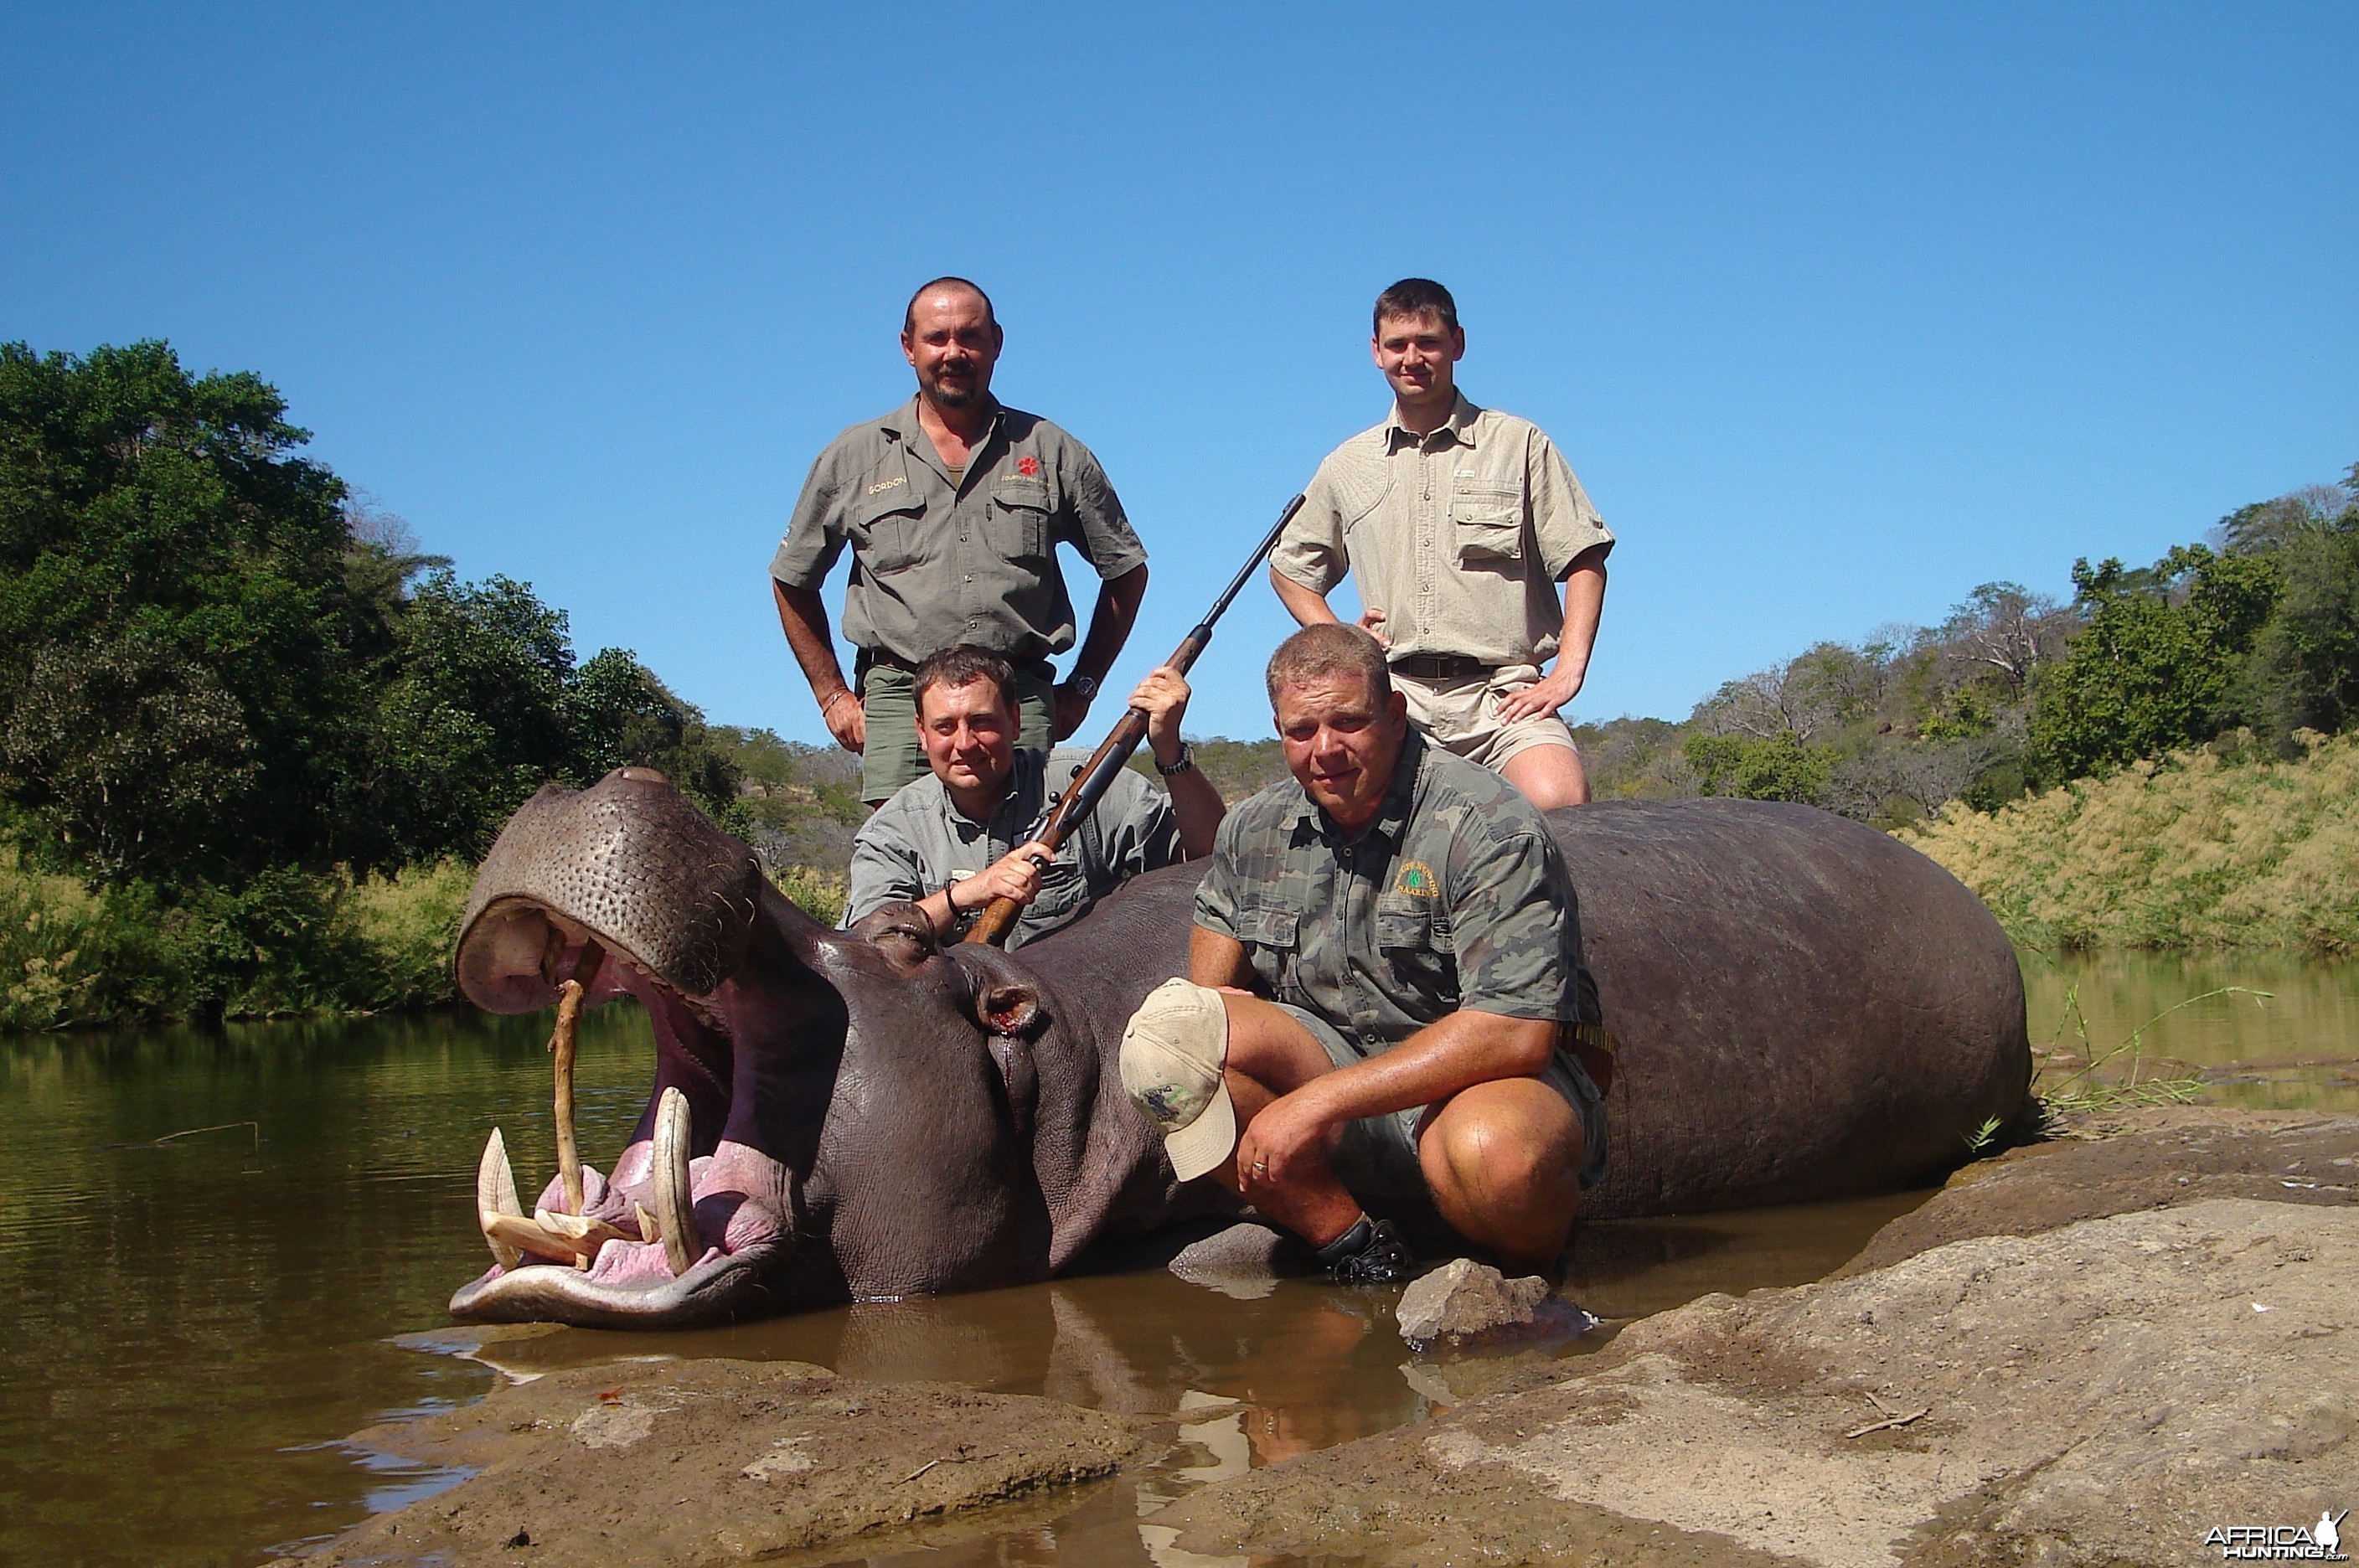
[(1462, 715), (891, 757), (1377, 1158)]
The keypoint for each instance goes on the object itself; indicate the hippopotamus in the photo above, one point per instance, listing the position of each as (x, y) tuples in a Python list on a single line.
[(1803, 1008)]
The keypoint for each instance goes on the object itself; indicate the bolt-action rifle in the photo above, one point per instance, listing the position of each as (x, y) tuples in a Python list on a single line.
[(1097, 775)]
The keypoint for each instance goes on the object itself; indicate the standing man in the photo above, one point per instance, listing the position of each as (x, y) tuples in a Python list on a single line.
[(1456, 524), (1385, 1004), (953, 507), (968, 832)]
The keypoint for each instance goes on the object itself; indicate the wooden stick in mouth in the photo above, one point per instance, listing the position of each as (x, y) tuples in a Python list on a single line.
[(560, 1044)]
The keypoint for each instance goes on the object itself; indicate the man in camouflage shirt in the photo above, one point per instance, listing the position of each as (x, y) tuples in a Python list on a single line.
[(1385, 985)]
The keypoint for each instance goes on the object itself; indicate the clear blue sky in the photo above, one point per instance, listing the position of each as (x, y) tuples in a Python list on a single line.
[(1837, 311)]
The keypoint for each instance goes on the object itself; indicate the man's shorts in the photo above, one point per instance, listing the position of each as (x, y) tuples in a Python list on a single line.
[(887, 700), (1378, 1157), (1462, 714)]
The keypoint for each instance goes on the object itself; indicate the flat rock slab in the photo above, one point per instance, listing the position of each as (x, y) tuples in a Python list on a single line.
[(2106, 1392), (685, 1463), (2182, 1155)]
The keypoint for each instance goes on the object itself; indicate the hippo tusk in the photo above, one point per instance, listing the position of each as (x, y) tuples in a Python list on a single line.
[(495, 1199), (674, 1219)]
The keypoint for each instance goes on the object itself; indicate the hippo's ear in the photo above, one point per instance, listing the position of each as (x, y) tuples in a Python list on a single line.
[(1008, 1008)]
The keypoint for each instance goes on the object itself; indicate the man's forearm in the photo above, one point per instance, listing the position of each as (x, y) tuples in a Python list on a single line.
[(1198, 809), (1585, 604), (1110, 622), (1451, 1053), (1307, 606), (803, 617)]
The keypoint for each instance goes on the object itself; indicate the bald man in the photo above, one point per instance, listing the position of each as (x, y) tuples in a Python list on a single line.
[(953, 507)]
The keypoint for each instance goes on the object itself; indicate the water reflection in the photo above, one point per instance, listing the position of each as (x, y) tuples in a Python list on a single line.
[(2291, 1050), (195, 1323)]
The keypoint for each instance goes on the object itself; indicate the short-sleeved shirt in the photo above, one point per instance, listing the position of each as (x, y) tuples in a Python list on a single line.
[(1459, 536), (1454, 898), (919, 841), (937, 560)]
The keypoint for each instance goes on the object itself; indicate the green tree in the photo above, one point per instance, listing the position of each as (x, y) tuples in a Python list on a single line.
[(1774, 768), (2156, 662), (2305, 667), (175, 628)]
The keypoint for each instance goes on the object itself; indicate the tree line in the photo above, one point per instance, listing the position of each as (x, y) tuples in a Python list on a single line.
[(2248, 640)]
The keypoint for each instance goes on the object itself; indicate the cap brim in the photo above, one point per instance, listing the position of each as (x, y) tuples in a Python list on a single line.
[(1203, 1144)]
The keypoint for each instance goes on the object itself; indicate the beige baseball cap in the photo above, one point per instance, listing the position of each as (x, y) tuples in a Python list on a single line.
[(1172, 1054)]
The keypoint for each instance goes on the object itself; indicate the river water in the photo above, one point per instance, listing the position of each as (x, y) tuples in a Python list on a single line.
[(223, 1251)]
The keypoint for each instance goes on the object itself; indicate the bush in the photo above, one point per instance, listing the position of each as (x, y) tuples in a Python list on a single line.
[(285, 943), (2209, 848)]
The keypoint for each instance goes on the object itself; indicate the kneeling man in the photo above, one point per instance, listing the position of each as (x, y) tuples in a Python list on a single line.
[(1385, 992), (967, 833)]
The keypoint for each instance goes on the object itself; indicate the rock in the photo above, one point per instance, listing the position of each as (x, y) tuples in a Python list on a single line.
[(2170, 1156), (1465, 1303), (2104, 1392), (656, 1463), (1244, 1261), (1465, 1298)]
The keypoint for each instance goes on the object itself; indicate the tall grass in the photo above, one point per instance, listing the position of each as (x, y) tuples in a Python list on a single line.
[(2207, 848), (289, 942)]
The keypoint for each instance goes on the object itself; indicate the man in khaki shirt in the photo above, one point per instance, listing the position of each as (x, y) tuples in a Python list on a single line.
[(1456, 524)]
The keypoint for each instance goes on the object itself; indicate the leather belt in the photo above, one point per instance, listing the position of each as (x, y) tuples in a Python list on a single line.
[(1441, 666)]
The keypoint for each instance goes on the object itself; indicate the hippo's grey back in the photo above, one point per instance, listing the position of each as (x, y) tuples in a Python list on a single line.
[(1805, 1008)]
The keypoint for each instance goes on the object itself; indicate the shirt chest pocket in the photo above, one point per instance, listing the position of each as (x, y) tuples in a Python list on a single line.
[(1016, 527), (1488, 522), (1419, 946), (1271, 939), (1063, 886), (887, 530)]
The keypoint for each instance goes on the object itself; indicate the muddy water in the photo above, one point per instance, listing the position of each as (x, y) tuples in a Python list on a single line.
[(193, 1318)]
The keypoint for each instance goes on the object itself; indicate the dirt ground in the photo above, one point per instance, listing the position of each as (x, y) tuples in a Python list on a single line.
[(680, 1462), (2086, 1352)]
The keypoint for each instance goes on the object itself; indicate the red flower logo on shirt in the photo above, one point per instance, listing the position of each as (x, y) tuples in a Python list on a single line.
[(1028, 466)]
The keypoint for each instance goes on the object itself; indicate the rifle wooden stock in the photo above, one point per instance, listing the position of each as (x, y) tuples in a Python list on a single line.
[(1097, 775)]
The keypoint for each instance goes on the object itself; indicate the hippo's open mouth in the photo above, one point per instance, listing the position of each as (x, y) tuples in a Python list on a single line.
[(696, 1212)]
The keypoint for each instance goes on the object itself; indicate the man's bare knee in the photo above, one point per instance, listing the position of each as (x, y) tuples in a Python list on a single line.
[(1548, 776), (1504, 1149)]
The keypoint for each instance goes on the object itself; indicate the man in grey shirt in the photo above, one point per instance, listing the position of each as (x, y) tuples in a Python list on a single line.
[(954, 507), (968, 832)]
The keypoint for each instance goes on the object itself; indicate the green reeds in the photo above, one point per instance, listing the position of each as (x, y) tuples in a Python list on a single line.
[(2062, 1098)]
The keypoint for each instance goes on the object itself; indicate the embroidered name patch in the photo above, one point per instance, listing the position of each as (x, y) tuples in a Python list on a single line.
[(884, 484)]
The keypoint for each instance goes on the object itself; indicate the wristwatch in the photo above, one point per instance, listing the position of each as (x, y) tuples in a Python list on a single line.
[(1085, 687), (1187, 760)]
